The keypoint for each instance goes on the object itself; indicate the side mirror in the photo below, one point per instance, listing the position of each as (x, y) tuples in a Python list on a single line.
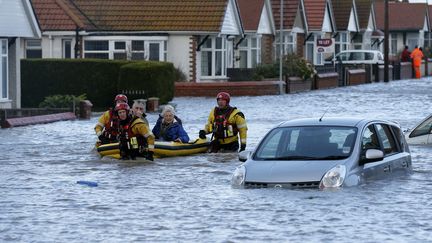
[(372, 155), (244, 155)]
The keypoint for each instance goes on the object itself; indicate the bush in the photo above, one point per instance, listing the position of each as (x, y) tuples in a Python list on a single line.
[(44, 77), (61, 101), (298, 67), (266, 71), (147, 79), (180, 76), (292, 65)]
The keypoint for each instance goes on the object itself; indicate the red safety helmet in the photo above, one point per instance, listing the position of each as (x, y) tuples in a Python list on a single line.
[(224, 96), (121, 97), (122, 106)]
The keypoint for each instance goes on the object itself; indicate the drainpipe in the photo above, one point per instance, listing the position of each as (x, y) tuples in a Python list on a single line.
[(51, 45)]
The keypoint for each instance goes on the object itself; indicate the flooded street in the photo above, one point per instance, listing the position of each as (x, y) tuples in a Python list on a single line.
[(190, 199)]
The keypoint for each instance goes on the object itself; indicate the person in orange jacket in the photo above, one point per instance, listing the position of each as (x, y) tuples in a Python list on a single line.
[(417, 56)]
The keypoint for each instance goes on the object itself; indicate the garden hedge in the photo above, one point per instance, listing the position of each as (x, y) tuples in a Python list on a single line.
[(99, 79)]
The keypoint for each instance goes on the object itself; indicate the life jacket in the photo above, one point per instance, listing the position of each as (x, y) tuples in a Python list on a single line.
[(111, 129), (128, 138), (222, 128)]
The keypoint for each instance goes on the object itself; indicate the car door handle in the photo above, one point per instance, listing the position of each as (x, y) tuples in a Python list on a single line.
[(387, 168)]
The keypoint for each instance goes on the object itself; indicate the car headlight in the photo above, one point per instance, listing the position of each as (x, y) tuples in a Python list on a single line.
[(334, 177), (238, 177)]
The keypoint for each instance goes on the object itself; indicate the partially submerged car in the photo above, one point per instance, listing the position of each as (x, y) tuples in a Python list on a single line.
[(421, 134), (324, 153)]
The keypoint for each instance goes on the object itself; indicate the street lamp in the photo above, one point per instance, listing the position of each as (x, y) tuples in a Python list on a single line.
[(386, 42), (280, 41)]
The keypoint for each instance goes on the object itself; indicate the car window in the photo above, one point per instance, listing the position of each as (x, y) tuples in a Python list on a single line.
[(312, 142), (399, 137), (357, 56), (369, 56), (272, 143), (370, 139), (387, 139), (343, 56), (423, 129)]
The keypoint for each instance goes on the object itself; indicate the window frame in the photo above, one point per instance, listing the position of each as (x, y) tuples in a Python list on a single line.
[(64, 48), (4, 72), (213, 50), (33, 48), (128, 47), (251, 59)]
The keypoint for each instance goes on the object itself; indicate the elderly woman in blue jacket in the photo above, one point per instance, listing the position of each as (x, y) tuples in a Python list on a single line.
[(169, 127)]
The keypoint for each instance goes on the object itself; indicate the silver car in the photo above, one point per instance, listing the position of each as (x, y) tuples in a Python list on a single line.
[(421, 134), (324, 153)]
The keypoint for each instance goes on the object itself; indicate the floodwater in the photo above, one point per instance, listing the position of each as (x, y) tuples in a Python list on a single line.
[(189, 199)]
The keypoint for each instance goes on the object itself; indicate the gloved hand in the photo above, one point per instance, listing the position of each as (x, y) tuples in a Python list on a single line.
[(242, 147), (150, 155), (202, 134)]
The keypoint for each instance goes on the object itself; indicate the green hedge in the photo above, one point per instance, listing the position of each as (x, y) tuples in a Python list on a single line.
[(99, 79), (154, 79)]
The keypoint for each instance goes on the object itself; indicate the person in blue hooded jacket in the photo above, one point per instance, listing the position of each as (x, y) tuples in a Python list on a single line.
[(169, 127)]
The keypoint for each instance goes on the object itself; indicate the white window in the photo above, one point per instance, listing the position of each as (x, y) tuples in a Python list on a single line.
[(33, 49), (289, 43), (126, 49), (96, 49), (250, 52), (213, 57), (67, 48), (341, 42), (393, 44), (3, 69), (316, 58)]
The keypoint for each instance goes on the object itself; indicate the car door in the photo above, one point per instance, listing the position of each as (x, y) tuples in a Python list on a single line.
[(421, 134), (370, 140), (398, 159)]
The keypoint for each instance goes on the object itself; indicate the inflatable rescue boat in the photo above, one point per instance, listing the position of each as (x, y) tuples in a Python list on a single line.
[(162, 148)]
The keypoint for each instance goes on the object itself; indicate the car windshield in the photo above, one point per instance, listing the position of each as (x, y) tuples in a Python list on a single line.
[(307, 143)]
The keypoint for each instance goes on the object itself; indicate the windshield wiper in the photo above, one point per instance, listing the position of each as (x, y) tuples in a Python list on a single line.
[(306, 158), (332, 157), (292, 158)]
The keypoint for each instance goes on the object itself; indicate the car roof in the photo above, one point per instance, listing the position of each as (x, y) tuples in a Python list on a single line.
[(375, 51), (333, 121)]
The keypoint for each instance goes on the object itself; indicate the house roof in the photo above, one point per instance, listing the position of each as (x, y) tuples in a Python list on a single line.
[(250, 13), (402, 16), (364, 8), (315, 14), (342, 11), (155, 15), (59, 15), (289, 13), (137, 15)]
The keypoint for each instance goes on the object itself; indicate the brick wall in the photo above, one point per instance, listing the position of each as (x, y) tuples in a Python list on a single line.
[(300, 45), (267, 49), (250, 88), (192, 58)]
